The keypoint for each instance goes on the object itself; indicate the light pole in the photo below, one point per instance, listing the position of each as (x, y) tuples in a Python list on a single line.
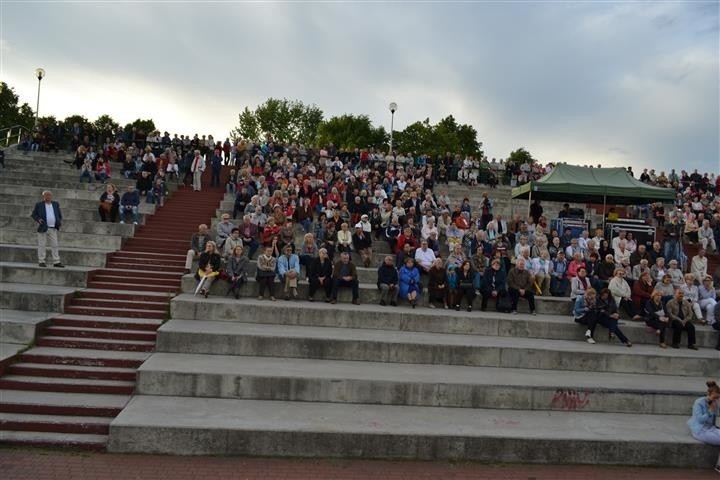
[(393, 107), (39, 73)]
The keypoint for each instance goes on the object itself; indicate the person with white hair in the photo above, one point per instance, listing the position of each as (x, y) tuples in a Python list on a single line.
[(48, 216), (706, 236), (699, 265)]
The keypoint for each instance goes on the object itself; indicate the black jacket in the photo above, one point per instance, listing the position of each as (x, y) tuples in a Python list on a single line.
[(387, 274)]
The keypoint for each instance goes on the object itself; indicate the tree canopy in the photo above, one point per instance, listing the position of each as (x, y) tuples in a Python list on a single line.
[(292, 121), (521, 156), (285, 120), (351, 131), (11, 113)]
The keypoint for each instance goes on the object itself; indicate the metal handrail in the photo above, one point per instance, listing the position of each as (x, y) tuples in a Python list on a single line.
[(8, 134)]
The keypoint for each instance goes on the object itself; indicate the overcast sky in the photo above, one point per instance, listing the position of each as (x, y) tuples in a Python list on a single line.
[(611, 83)]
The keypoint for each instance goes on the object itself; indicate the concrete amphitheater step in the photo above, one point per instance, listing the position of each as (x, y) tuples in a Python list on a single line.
[(54, 403), (94, 227), (72, 371), (66, 385), (86, 215), (78, 441), (162, 424), (100, 333), (77, 256), (76, 240), (27, 202), (372, 316), (369, 294), (93, 321), (336, 381), (70, 276), (84, 357), (34, 298), (95, 343), (24, 422), (21, 326), (244, 339)]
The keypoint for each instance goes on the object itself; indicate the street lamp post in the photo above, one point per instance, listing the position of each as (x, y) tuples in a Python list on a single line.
[(393, 107), (39, 73)]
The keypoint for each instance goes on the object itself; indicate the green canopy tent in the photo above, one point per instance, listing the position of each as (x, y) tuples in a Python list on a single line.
[(569, 183)]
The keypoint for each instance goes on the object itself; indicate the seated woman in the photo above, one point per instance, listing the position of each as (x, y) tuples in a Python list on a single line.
[(704, 416), (579, 284), (621, 292), (109, 207), (656, 317), (409, 279), (665, 287), (437, 284), (208, 268), (237, 266), (585, 313), (344, 238), (465, 287), (642, 290), (692, 295), (308, 250), (607, 316)]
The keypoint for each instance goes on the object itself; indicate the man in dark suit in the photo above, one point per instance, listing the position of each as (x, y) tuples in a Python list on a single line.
[(48, 217)]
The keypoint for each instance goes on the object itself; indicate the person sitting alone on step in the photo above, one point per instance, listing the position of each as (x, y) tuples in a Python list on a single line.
[(208, 268)]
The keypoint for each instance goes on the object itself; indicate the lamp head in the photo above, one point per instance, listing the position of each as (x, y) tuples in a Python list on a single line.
[(393, 107), (39, 73)]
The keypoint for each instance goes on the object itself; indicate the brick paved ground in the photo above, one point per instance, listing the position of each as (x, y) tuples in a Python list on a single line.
[(37, 464)]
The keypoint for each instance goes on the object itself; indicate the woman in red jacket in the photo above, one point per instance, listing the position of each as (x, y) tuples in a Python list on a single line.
[(642, 291)]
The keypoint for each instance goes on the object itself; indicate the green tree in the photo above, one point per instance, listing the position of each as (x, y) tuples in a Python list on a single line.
[(248, 127), (521, 156), (49, 122), (11, 113), (80, 120), (105, 126), (351, 131), (284, 120), (146, 126), (446, 136)]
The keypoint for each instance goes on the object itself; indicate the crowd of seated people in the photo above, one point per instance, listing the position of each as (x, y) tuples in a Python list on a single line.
[(345, 201)]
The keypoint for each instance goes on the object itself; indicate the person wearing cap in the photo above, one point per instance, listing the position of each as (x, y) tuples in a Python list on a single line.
[(362, 243)]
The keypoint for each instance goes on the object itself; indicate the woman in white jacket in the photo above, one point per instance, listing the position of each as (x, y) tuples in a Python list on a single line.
[(620, 290), (692, 295)]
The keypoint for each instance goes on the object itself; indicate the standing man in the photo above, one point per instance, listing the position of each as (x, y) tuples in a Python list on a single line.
[(197, 167), (48, 217)]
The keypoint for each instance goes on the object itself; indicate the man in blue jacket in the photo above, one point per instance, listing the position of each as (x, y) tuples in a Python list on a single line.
[(48, 217)]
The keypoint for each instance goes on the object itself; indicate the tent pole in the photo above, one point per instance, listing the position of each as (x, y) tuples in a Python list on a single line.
[(529, 202), (604, 203)]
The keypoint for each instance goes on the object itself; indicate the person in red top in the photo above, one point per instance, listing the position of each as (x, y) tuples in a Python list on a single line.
[(462, 222), (405, 237), (269, 232)]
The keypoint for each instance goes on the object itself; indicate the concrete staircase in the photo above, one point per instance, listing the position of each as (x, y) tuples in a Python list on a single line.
[(282, 378), (80, 370)]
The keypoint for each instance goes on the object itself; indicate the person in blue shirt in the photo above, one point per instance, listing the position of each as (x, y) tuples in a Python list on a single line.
[(130, 203), (704, 414), (288, 267)]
